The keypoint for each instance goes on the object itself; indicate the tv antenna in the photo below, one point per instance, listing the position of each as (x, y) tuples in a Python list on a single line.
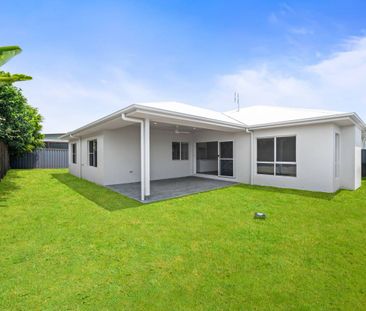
[(236, 100)]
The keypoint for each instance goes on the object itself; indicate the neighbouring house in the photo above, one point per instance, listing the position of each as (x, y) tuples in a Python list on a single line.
[(295, 148), (54, 141), (54, 154)]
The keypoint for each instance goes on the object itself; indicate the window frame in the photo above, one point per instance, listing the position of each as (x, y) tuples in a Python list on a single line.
[(94, 153), (74, 153), (180, 150), (275, 162)]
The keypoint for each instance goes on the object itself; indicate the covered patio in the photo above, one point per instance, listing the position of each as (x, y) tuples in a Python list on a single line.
[(208, 149), (151, 152), (171, 188)]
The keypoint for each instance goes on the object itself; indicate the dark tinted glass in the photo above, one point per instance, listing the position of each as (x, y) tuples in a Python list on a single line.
[(286, 149), (265, 168), (206, 151), (226, 167), (184, 151), (175, 150), (95, 153), (73, 153), (265, 149), (286, 170), (226, 149), (91, 159)]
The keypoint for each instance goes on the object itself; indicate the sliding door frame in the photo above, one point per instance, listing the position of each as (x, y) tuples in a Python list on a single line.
[(218, 159)]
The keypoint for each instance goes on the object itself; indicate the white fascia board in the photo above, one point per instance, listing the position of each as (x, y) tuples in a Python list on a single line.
[(340, 117)]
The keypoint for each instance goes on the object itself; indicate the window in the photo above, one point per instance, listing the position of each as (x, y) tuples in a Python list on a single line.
[(184, 151), (73, 148), (265, 150), (337, 155), (176, 150), (93, 154), (180, 151), (276, 156)]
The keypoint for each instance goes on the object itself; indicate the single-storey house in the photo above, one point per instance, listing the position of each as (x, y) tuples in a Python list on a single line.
[(295, 148)]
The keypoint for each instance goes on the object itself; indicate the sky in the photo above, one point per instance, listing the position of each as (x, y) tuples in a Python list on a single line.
[(91, 58)]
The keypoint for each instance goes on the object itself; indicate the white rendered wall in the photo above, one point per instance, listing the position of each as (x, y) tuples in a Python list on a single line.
[(314, 157), (82, 168), (122, 155), (119, 156), (74, 168), (358, 157), (162, 165), (351, 144)]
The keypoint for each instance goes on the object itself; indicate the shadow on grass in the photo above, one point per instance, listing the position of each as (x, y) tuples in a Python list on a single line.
[(8, 185), (100, 195), (304, 193)]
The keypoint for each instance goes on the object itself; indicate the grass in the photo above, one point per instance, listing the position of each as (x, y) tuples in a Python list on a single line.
[(69, 244)]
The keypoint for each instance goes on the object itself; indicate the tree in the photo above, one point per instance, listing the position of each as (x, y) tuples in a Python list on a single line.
[(6, 53), (20, 123)]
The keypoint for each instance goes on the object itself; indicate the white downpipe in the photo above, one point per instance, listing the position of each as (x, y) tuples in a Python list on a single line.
[(147, 157), (81, 158), (142, 151), (251, 156)]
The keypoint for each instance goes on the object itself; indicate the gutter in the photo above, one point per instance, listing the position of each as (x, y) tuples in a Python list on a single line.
[(349, 116)]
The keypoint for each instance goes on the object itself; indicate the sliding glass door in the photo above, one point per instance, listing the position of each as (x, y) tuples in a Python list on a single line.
[(226, 159), (215, 158), (206, 162)]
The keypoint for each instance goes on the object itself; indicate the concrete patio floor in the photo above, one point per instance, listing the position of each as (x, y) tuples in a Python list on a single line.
[(171, 188)]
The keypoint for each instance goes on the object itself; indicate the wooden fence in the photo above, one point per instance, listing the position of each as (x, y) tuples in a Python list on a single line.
[(42, 158), (4, 159)]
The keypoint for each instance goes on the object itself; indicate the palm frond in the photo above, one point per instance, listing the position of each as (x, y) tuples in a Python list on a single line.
[(7, 52), (6, 77)]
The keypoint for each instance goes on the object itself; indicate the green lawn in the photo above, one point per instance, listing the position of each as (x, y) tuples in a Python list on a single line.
[(69, 244)]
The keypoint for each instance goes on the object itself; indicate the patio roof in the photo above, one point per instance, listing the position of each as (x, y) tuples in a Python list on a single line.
[(168, 112)]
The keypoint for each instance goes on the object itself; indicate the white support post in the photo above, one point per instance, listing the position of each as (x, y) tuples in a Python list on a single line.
[(147, 156), (142, 150)]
